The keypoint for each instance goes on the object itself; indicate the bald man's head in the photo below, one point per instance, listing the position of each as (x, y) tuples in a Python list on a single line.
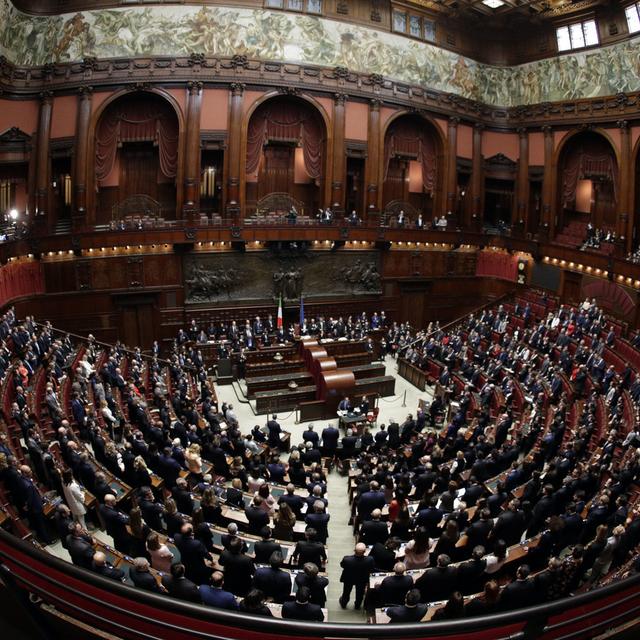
[(360, 549)]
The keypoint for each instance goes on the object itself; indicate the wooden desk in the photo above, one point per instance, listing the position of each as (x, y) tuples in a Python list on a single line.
[(285, 400)]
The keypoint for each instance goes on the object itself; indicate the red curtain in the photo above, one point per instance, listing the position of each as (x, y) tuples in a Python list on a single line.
[(408, 138), (587, 165), (19, 279), (496, 264), (291, 122), (144, 118)]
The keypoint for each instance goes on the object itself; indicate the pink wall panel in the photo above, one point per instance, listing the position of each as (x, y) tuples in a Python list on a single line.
[(356, 120), (214, 112), (443, 127), (385, 114), (465, 141), (250, 97), (63, 117), (98, 99), (19, 113), (536, 148), (180, 95), (505, 143)]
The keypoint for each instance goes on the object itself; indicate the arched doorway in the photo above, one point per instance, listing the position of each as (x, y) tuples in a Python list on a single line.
[(587, 186), (286, 155), (136, 159), (411, 166)]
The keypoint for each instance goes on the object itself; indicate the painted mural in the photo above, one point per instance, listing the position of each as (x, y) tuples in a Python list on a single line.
[(273, 35)]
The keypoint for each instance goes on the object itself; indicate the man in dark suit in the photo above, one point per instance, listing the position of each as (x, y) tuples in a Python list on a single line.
[(438, 582), (393, 589), (519, 593), (214, 595), (374, 530), (101, 488), (309, 550), (168, 468), (193, 555), (179, 586), (256, 516), (101, 566), (263, 549), (141, 576), (80, 546), (238, 568), (430, 518), (275, 430), (370, 500), (319, 520), (471, 573), (330, 436), (309, 435), (273, 581), (234, 495), (344, 404), (314, 582), (294, 501), (152, 511), (411, 611), (301, 608), (356, 570), (182, 496), (116, 523), (33, 505)]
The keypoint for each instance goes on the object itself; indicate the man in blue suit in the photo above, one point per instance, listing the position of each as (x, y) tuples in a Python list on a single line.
[(214, 595), (273, 581), (33, 505)]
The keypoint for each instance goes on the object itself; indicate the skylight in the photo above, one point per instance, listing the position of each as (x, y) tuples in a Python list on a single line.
[(493, 4)]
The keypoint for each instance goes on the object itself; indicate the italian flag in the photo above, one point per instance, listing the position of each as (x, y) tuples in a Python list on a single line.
[(279, 321)]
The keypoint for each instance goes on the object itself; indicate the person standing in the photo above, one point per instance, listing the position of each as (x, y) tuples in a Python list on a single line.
[(356, 570)]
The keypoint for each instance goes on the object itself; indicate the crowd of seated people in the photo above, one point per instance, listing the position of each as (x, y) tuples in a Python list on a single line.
[(551, 463), (159, 430), (513, 486), (237, 336)]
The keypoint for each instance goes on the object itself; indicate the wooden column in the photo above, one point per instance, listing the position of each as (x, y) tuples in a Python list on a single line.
[(234, 142), (522, 206), (80, 168), (477, 177), (191, 200), (546, 218), (372, 169), (42, 153), (624, 226), (452, 167), (339, 153)]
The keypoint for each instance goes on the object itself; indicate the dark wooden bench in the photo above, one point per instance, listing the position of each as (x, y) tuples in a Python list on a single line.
[(281, 381), (283, 400), (383, 386)]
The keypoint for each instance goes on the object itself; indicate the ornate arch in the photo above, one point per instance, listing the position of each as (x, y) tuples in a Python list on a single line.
[(326, 122), (96, 117), (440, 146)]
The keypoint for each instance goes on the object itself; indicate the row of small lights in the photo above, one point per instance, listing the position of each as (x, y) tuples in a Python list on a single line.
[(595, 270), (26, 258), (435, 245), (139, 248)]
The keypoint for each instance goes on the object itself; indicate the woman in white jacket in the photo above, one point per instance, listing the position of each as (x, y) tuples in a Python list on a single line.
[(74, 495)]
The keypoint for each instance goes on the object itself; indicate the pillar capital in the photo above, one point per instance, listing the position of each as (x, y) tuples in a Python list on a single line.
[(237, 88)]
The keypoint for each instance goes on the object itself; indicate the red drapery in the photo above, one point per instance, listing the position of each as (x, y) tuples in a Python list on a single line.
[(407, 138), (20, 279), (290, 122), (587, 165), (145, 118), (495, 264)]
